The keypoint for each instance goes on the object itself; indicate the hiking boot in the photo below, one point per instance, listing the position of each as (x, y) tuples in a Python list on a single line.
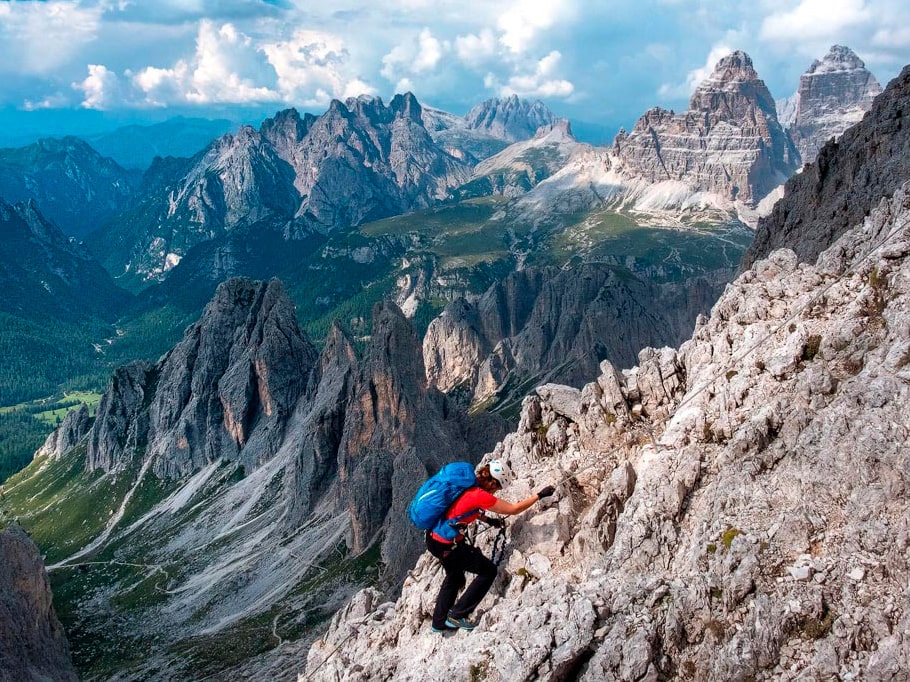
[(443, 630), (462, 623)]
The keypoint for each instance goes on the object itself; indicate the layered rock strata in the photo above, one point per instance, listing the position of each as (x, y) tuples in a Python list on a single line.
[(736, 509), (33, 646), (849, 176), (834, 93), (729, 141)]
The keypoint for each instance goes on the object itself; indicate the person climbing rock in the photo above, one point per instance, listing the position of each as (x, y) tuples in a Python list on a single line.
[(458, 557)]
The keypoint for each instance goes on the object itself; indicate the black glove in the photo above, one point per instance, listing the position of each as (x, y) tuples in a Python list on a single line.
[(546, 492), (495, 522)]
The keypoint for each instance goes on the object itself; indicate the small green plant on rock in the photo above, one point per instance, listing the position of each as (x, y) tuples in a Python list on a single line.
[(728, 535)]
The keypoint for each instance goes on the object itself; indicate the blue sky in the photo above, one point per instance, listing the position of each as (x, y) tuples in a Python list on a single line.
[(602, 62)]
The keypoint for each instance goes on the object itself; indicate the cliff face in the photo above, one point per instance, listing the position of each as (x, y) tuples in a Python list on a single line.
[(736, 509), (850, 176), (33, 646), (554, 325), (833, 95), (729, 141)]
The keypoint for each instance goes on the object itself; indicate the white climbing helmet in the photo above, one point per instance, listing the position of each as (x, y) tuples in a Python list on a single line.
[(500, 471)]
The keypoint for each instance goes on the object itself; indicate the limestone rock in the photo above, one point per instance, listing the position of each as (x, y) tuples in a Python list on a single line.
[(121, 422), (847, 180), (33, 645), (72, 430), (834, 94), (687, 545)]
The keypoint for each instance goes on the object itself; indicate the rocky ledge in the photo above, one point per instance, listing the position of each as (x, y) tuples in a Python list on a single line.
[(736, 509)]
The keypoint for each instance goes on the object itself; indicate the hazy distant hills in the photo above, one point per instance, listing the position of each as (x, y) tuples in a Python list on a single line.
[(73, 185), (44, 273), (135, 146)]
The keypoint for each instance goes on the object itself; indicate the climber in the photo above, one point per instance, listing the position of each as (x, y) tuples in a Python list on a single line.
[(457, 556)]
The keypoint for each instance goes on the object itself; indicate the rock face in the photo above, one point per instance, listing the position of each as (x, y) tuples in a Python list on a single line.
[(73, 185), (729, 142), (833, 94), (245, 385), (510, 118), (736, 509), (226, 391), (33, 646), (361, 160), (522, 165), (44, 274), (850, 176), (72, 430), (555, 325)]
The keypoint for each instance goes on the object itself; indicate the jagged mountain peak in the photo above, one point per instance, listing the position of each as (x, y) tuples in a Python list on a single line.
[(732, 85), (511, 119), (838, 58), (225, 391), (834, 93)]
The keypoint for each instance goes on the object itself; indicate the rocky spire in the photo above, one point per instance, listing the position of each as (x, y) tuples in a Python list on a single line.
[(225, 391), (844, 182), (729, 142), (833, 94)]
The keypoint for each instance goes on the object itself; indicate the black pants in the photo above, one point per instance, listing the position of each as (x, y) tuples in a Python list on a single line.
[(456, 560)]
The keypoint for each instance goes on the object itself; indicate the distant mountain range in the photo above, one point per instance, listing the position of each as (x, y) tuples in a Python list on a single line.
[(136, 146), (71, 183), (372, 199)]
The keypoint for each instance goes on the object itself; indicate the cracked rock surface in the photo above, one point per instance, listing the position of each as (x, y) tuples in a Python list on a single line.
[(735, 509)]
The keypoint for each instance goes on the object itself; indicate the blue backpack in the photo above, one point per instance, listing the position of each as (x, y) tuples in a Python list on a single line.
[(434, 497)]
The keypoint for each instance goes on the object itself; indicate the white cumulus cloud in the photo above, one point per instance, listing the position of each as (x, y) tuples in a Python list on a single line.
[(475, 50), (542, 82), (416, 56), (696, 76), (815, 19), (226, 68), (101, 88), (312, 68), (523, 20)]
